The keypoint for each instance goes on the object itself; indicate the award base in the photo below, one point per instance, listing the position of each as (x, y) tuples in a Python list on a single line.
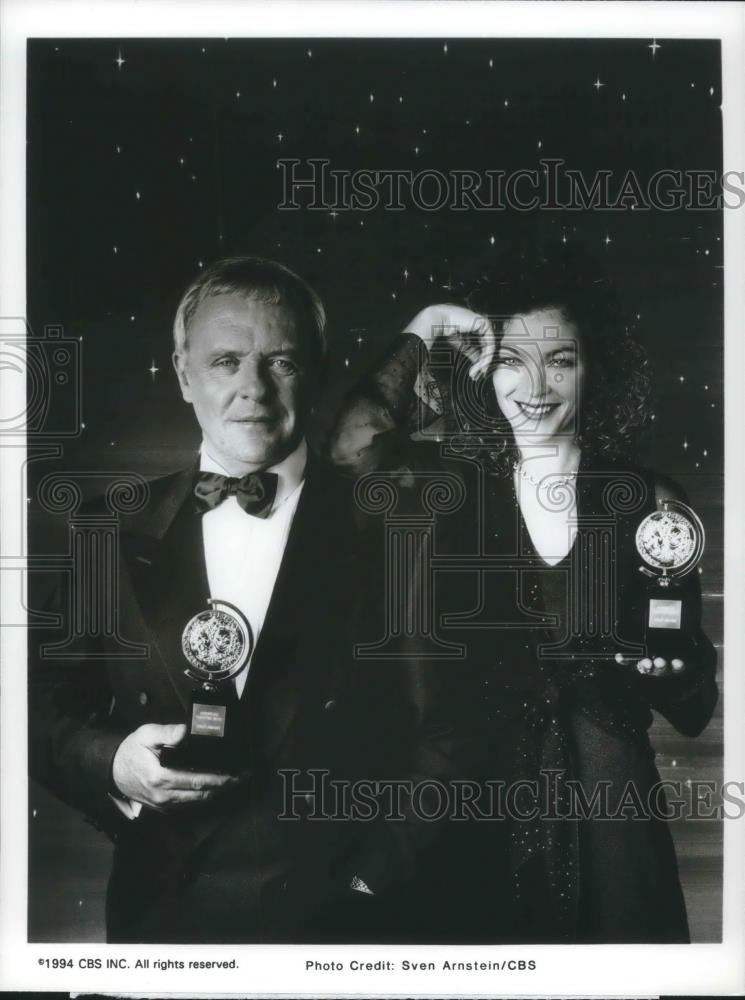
[(666, 623), (210, 741)]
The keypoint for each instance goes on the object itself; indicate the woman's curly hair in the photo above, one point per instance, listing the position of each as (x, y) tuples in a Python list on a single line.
[(615, 402)]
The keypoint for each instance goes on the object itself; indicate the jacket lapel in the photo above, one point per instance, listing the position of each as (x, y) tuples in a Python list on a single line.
[(292, 645), (164, 557)]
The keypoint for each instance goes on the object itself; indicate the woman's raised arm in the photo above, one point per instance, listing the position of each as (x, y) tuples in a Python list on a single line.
[(401, 395)]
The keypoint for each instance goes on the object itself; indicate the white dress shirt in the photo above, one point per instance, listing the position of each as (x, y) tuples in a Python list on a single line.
[(243, 553)]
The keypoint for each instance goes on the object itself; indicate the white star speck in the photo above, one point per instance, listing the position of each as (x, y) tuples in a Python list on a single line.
[(120, 60), (653, 47), (598, 84)]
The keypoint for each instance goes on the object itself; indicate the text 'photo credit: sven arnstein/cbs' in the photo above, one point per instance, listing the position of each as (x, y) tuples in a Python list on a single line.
[(371, 584)]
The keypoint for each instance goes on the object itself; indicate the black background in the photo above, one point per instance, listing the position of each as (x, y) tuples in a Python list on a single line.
[(177, 100)]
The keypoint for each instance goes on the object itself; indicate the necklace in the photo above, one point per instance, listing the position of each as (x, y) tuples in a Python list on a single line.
[(554, 480)]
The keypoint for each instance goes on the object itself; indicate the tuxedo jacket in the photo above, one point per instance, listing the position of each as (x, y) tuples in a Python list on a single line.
[(232, 870)]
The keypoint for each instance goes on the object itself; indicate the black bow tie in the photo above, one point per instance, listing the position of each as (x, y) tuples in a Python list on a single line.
[(255, 492)]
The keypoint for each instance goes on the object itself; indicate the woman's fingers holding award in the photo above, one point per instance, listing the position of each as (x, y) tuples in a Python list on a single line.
[(653, 666)]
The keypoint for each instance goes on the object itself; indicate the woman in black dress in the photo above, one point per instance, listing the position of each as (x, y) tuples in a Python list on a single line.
[(548, 420)]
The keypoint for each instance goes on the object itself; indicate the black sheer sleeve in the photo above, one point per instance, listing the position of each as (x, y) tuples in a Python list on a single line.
[(399, 397)]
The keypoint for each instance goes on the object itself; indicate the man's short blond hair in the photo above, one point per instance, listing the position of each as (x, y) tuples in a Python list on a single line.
[(260, 279)]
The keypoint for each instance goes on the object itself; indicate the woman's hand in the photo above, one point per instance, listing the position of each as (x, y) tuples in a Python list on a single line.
[(467, 331), (655, 666)]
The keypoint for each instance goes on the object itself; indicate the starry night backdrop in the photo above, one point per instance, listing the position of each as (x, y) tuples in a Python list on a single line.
[(149, 159)]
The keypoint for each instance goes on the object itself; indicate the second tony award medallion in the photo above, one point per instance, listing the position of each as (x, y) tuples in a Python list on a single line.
[(217, 644), (671, 543)]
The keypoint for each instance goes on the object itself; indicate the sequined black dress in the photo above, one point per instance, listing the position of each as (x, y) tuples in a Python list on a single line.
[(561, 707)]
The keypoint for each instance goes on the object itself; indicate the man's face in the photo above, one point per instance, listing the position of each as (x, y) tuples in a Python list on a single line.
[(247, 373)]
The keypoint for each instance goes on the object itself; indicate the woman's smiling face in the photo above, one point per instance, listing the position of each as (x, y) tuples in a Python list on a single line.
[(538, 375)]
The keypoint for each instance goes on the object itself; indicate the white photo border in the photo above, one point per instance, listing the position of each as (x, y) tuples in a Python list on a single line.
[(278, 970)]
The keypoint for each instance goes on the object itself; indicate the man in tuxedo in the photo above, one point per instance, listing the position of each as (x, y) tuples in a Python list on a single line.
[(260, 524)]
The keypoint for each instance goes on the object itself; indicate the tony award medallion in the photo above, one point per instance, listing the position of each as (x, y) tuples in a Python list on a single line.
[(217, 644), (671, 543)]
